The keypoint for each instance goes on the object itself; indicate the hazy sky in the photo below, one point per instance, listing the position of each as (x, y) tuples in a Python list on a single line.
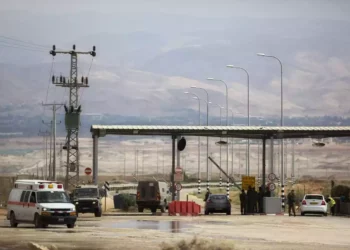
[(325, 9)]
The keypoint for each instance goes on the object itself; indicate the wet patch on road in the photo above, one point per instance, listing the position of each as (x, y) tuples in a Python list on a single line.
[(165, 226)]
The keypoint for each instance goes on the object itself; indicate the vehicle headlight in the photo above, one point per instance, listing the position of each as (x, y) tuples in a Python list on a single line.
[(94, 202), (44, 209), (76, 203), (73, 209)]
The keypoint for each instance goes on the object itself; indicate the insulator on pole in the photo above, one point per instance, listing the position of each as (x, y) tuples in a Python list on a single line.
[(71, 109), (86, 81), (53, 79), (53, 47), (64, 80), (94, 48), (73, 46), (61, 80), (82, 79)]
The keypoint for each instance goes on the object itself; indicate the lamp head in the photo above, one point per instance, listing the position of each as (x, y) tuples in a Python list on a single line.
[(230, 66), (260, 54)]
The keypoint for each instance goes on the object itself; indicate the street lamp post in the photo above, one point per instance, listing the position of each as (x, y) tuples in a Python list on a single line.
[(227, 151), (282, 150), (194, 87), (199, 140), (220, 107), (248, 113)]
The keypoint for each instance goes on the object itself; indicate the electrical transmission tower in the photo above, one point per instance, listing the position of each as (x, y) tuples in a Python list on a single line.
[(72, 116)]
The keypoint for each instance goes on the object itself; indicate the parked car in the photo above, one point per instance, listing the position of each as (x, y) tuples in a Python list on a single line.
[(313, 204), (217, 203)]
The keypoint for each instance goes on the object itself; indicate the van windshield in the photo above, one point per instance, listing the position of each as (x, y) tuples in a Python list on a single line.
[(52, 197), (85, 192)]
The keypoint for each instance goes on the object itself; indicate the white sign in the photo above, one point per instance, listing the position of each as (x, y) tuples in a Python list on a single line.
[(272, 177), (178, 177), (272, 186), (178, 170)]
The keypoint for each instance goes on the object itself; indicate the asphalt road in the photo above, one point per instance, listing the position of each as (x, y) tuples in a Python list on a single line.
[(149, 232)]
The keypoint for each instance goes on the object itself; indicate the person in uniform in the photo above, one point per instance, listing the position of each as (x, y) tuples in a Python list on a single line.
[(255, 201), (250, 200), (260, 200), (291, 202), (243, 200)]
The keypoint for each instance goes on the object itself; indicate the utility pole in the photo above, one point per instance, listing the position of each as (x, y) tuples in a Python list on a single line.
[(49, 124), (55, 107), (72, 116), (45, 134), (61, 160), (52, 126)]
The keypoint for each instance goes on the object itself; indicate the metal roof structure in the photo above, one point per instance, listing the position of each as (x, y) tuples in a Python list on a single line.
[(251, 132)]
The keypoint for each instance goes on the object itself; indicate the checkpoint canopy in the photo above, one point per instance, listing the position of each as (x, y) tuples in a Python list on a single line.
[(247, 132)]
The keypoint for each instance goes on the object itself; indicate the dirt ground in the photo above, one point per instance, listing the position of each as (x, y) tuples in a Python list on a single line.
[(149, 232)]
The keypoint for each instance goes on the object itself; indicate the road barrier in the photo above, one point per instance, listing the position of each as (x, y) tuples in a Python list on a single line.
[(184, 208)]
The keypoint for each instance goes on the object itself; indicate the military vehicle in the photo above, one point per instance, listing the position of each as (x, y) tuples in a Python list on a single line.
[(152, 195), (87, 199)]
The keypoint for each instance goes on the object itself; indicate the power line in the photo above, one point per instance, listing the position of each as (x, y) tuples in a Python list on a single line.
[(24, 48), (22, 41), (82, 92)]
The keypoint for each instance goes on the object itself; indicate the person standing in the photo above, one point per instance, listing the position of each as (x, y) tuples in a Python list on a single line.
[(243, 200), (260, 200), (250, 200), (291, 202), (332, 203), (207, 195), (255, 201)]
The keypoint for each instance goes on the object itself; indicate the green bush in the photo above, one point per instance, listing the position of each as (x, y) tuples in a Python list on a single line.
[(128, 201)]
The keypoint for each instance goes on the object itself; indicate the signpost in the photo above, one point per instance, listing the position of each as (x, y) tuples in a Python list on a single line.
[(179, 176), (88, 171), (272, 177), (271, 186), (248, 181), (106, 186), (178, 186)]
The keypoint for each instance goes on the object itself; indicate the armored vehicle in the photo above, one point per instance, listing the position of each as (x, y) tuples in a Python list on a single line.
[(86, 199)]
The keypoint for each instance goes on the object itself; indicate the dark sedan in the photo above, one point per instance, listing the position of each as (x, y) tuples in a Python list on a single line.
[(218, 203)]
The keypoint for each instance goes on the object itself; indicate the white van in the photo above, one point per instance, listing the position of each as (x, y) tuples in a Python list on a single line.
[(40, 203)]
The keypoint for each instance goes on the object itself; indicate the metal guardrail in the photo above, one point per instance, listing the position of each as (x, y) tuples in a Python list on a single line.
[(116, 187)]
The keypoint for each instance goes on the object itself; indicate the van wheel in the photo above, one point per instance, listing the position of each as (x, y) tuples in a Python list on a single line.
[(206, 212), (140, 209), (70, 225), (153, 209), (13, 221), (37, 222), (228, 212)]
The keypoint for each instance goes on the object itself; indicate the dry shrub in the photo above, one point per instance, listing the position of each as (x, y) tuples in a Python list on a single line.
[(198, 244)]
